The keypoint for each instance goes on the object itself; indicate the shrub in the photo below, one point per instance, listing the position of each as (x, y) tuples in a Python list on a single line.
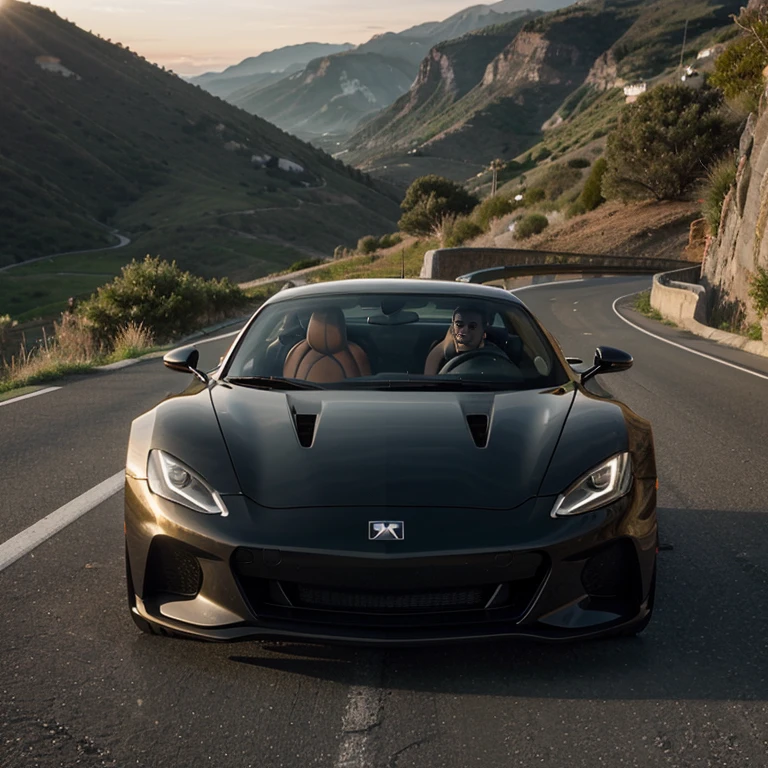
[(492, 208), (165, 299), (579, 162), (663, 143), (388, 241), (533, 195), (429, 199), (532, 224), (758, 291), (368, 244), (592, 193), (457, 230), (720, 178), (739, 70), (305, 264)]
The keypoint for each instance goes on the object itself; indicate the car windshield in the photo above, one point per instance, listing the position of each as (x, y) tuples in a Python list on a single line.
[(388, 341)]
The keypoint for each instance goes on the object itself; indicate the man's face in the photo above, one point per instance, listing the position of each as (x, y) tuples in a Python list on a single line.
[(468, 330)]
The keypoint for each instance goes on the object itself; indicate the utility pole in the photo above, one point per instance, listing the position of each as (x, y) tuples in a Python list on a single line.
[(496, 166), (402, 264)]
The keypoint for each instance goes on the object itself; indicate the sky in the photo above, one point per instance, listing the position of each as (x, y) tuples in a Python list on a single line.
[(193, 36)]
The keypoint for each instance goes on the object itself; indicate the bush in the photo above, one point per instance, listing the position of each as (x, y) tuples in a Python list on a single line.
[(305, 264), (739, 70), (758, 291), (165, 299), (457, 230), (592, 194), (388, 241), (720, 177), (429, 200), (368, 244), (533, 195), (663, 143), (532, 224), (492, 208), (579, 162)]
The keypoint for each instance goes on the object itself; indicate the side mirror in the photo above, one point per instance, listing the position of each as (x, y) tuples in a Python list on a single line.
[(184, 359), (608, 360)]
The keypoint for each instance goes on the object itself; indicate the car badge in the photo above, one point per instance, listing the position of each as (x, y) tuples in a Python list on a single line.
[(386, 530)]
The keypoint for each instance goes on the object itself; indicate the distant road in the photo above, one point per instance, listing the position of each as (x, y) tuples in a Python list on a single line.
[(123, 242)]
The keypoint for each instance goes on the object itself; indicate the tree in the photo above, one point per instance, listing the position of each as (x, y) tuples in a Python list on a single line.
[(664, 142), (429, 200), (739, 70), (592, 194)]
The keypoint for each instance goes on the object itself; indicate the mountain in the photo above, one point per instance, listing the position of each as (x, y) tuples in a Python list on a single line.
[(94, 137), (266, 67), (335, 93), (447, 124), (331, 95)]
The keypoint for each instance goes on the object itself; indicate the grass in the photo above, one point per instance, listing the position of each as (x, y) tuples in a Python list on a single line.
[(643, 306)]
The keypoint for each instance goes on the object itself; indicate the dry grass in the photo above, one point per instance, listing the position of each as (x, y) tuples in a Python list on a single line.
[(72, 348), (133, 340)]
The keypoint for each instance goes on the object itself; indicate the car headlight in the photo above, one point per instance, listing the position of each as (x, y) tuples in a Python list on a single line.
[(175, 481), (605, 484)]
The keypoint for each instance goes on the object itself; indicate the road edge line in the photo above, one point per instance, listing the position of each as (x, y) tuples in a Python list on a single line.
[(681, 346), (23, 543), (28, 395)]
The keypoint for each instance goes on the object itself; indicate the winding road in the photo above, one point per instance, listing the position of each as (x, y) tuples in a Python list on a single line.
[(81, 686)]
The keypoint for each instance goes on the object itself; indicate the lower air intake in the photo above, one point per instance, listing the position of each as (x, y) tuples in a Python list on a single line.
[(310, 596)]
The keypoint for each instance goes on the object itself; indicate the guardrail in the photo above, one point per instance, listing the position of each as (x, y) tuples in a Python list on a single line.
[(452, 263)]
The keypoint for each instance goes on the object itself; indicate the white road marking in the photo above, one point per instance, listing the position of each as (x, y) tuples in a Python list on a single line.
[(361, 716), (549, 285), (27, 396), (41, 531), (681, 346)]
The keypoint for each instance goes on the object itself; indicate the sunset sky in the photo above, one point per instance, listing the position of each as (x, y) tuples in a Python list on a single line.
[(191, 36)]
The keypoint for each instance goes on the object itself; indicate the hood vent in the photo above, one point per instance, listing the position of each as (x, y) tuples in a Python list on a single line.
[(305, 428), (478, 426)]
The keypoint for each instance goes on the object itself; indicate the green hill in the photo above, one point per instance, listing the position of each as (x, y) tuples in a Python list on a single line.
[(559, 62), (95, 138)]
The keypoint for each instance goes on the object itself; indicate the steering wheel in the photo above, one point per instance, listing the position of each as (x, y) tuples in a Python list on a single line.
[(466, 357)]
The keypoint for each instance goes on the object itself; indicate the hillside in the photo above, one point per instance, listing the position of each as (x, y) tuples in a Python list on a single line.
[(265, 68), (96, 138), (333, 94), (560, 61), (330, 96)]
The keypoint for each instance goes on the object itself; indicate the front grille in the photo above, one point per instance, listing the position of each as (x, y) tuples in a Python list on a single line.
[(171, 569), (310, 596)]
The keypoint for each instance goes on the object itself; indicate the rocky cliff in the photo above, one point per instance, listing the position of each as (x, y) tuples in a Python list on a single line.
[(741, 244)]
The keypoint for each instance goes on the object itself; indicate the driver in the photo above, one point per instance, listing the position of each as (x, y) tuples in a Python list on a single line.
[(467, 333)]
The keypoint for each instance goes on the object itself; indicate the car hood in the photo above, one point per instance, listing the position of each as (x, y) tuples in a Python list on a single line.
[(389, 449)]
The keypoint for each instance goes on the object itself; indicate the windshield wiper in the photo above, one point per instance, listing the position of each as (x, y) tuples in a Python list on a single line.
[(271, 382)]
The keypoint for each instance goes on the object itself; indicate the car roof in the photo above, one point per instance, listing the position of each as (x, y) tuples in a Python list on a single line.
[(397, 287)]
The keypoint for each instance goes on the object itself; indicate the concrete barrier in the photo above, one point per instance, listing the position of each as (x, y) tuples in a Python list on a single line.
[(487, 264), (678, 297)]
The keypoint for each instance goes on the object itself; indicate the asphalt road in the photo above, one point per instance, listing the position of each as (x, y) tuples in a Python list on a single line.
[(79, 685)]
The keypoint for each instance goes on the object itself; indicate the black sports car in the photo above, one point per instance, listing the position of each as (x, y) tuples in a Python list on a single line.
[(392, 461)]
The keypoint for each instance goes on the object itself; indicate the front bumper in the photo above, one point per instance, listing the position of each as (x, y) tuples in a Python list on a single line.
[(313, 575)]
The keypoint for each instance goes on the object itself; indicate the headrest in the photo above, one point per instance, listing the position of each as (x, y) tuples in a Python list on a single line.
[(327, 331)]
